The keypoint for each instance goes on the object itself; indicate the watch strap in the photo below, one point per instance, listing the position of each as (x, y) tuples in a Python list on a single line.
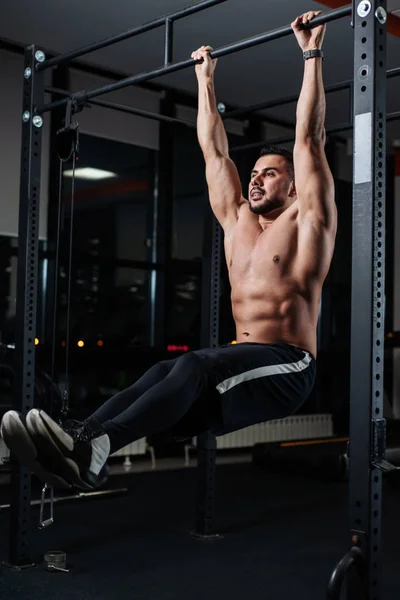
[(313, 54)]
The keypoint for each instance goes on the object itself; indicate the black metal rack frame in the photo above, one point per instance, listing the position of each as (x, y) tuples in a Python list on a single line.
[(367, 425)]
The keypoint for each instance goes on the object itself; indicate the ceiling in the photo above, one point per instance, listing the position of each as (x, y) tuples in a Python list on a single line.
[(255, 75)]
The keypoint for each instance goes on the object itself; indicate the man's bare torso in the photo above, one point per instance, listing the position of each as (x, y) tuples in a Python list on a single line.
[(275, 293)]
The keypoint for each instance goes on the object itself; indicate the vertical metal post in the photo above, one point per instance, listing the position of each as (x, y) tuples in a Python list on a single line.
[(162, 215), (206, 443), (389, 266), (367, 330), (169, 42), (27, 279), (351, 102), (212, 248)]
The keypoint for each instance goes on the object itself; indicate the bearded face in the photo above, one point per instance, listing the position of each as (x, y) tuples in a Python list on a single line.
[(271, 185)]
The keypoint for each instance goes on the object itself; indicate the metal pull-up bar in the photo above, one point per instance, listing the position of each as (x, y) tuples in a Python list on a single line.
[(255, 40), (336, 87), (242, 112), (126, 109), (167, 20), (340, 128)]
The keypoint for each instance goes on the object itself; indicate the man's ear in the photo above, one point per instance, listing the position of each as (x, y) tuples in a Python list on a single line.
[(292, 190)]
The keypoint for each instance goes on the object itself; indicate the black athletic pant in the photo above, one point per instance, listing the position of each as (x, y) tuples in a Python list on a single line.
[(221, 390), (167, 392)]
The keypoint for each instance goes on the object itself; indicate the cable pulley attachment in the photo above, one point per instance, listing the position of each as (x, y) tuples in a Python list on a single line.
[(68, 136)]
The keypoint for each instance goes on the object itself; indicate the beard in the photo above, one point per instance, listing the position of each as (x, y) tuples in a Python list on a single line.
[(265, 206)]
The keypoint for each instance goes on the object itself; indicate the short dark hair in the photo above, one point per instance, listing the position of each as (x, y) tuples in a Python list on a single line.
[(266, 150)]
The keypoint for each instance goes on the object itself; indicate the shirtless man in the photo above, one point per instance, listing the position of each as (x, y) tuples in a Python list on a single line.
[(278, 245)]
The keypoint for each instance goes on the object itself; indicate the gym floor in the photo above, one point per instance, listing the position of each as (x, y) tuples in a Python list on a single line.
[(281, 537)]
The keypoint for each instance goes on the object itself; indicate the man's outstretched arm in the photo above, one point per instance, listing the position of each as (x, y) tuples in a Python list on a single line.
[(222, 177), (313, 178)]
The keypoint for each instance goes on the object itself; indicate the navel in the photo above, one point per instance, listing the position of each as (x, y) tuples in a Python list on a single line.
[(276, 258)]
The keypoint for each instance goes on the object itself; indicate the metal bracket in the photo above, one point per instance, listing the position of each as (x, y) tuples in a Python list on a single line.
[(379, 447), (385, 466), (46, 523), (68, 136)]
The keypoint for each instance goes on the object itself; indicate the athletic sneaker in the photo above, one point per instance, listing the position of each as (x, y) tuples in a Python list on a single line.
[(77, 453), (17, 439)]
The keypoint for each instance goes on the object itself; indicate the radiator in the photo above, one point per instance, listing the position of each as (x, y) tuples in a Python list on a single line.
[(136, 448), (299, 427), (291, 428)]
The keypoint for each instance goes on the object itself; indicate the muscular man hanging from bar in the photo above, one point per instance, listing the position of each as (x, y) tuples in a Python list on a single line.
[(278, 244)]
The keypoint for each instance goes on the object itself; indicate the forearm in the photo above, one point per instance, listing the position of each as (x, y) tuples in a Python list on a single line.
[(210, 129), (311, 106)]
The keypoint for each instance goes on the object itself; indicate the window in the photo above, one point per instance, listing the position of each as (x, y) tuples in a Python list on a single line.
[(113, 198), (8, 288), (183, 314), (112, 219), (189, 196)]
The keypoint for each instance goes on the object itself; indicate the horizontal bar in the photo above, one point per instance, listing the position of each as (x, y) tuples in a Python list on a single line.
[(229, 49), (185, 12), (284, 123), (393, 73), (281, 32), (155, 116), (242, 112), (118, 85), (127, 109), (285, 140), (336, 87), (78, 496), (394, 116), (142, 113)]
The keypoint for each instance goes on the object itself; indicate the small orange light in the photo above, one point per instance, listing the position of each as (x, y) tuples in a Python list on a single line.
[(81, 344), (100, 343), (234, 342), (390, 335), (36, 342), (63, 344)]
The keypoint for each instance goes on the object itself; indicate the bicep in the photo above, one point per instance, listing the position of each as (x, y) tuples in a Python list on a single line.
[(314, 181), (224, 188), (315, 247)]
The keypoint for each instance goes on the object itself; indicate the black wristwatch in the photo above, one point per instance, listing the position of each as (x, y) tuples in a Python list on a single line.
[(313, 54)]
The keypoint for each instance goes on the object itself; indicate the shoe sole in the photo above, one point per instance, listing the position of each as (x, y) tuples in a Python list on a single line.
[(17, 439), (37, 423)]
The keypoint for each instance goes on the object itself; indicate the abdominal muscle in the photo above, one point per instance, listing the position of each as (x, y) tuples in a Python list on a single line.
[(274, 299), (289, 318)]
